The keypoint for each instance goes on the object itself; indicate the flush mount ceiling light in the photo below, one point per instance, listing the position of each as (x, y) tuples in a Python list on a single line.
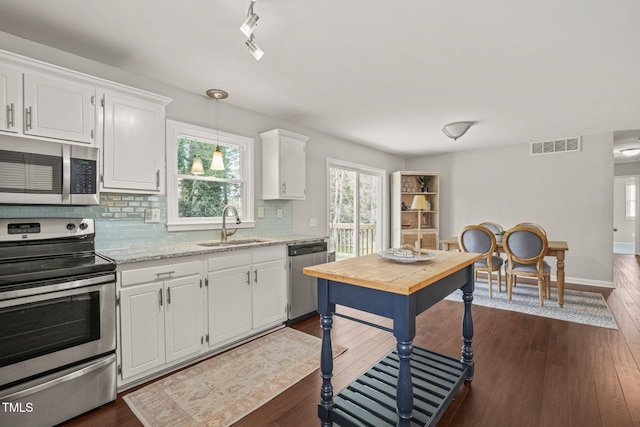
[(630, 152), (254, 49), (456, 130), (248, 27)]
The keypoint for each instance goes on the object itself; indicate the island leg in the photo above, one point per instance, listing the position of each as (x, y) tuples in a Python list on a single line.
[(404, 329), (467, 326), (326, 355)]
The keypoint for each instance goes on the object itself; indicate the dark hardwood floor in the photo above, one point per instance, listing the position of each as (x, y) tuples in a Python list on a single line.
[(530, 371)]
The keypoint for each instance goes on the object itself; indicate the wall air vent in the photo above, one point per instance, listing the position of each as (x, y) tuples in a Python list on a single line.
[(556, 146)]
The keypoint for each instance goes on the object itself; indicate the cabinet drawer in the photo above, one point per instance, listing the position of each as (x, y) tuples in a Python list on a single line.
[(164, 272), (222, 262), (269, 253)]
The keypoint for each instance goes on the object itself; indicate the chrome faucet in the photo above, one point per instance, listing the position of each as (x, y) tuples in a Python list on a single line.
[(224, 233)]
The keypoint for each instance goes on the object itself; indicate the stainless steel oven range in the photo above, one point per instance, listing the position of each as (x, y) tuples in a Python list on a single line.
[(57, 321)]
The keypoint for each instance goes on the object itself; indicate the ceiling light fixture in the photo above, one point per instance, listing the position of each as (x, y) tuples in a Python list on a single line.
[(248, 27), (456, 130), (217, 162), (630, 152), (249, 24), (254, 49)]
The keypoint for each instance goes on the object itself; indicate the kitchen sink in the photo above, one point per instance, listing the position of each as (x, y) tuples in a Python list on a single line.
[(234, 242)]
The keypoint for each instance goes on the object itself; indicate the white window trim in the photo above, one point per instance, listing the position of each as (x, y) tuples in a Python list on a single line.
[(177, 129), (384, 196)]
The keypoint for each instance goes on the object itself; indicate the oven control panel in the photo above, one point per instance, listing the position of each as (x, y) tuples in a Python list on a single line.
[(12, 229)]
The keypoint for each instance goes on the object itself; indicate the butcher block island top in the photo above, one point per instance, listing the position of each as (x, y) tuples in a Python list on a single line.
[(375, 272)]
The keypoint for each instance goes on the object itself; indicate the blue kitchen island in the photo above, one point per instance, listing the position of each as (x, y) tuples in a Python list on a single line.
[(410, 386)]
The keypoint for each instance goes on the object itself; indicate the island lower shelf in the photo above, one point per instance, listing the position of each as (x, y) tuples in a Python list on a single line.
[(371, 399)]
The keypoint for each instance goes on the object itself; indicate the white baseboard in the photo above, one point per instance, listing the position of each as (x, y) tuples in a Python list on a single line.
[(587, 282)]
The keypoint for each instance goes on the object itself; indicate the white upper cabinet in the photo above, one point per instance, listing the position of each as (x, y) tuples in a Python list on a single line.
[(132, 142), (10, 99), (50, 103), (58, 108), (283, 165)]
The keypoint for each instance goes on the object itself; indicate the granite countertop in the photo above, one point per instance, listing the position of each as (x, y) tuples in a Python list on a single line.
[(150, 253)]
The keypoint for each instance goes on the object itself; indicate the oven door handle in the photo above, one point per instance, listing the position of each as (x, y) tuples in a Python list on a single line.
[(63, 379)]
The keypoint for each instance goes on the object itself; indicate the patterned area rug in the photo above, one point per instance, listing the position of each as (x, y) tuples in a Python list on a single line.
[(589, 308), (221, 390)]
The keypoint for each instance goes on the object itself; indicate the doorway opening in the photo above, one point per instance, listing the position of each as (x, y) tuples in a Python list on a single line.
[(625, 212)]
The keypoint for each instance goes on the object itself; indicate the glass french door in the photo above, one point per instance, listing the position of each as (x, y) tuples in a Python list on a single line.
[(355, 209)]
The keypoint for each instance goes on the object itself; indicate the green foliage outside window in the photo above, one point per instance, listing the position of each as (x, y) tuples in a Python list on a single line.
[(206, 195)]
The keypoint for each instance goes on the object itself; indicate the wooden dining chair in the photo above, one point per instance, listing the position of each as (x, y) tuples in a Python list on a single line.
[(494, 227), (479, 239), (526, 248), (534, 225)]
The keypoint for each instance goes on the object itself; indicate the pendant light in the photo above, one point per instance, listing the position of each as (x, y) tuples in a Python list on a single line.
[(217, 163), (196, 167)]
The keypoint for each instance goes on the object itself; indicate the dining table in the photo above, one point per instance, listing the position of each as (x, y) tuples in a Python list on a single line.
[(557, 249)]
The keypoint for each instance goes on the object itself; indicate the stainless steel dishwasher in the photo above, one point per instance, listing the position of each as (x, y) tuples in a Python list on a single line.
[(303, 297)]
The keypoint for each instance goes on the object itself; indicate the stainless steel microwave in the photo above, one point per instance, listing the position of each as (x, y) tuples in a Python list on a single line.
[(47, 173)]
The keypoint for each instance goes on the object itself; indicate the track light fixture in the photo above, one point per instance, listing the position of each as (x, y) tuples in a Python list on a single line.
[(249, 24), (254, 49), (247, 28)]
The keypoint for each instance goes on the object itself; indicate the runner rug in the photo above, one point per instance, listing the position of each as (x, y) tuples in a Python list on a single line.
[(221, 390), (589, 308)]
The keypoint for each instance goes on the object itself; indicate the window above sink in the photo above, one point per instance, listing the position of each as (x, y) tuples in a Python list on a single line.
[(195, 200)]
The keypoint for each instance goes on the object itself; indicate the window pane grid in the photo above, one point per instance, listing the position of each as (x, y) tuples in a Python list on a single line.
[(197, 195)]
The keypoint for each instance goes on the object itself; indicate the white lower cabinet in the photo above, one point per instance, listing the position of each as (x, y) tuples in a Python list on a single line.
[(246, 293), (269, 301), (229, 298), (161, 317), (170, 314)]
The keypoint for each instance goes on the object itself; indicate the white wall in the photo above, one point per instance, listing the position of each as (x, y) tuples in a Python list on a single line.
[(569, 194), (200, 110)]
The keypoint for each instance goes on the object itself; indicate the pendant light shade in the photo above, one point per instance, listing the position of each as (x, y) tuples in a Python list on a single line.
[(196, 167), (217, 163)]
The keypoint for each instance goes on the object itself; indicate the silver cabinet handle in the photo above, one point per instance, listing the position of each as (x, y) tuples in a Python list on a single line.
[(168, 295), (284, 188), (248, 277), (160, 296), (166, 273), (158, 179), (28, 118), (255, 276), (11, 115)]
